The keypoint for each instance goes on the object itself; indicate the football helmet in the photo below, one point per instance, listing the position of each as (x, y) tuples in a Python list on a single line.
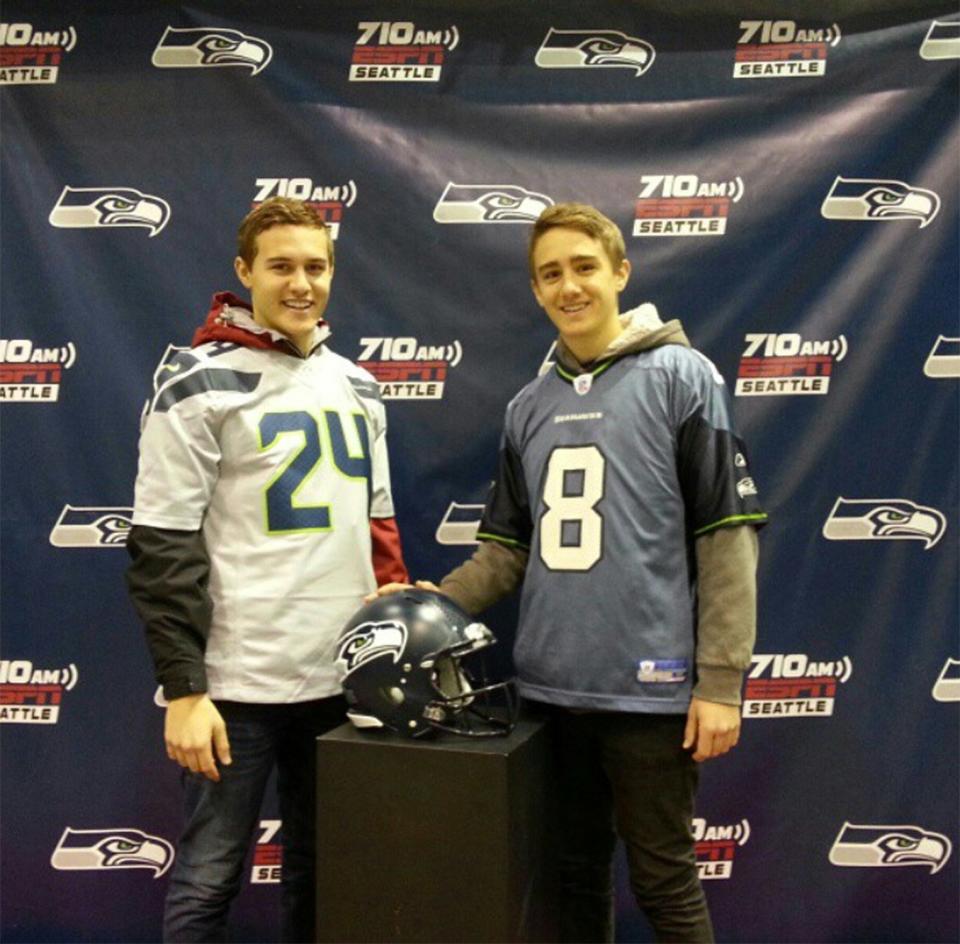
[(400, 663)]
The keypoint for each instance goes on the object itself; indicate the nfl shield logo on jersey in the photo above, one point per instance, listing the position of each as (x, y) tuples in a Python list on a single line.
[(583, 383)]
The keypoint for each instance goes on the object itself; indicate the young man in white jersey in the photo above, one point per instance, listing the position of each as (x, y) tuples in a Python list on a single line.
[(262, 517), (625, 507)]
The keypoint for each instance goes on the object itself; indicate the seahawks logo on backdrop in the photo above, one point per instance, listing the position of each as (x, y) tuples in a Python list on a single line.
[(94, 207), (947, 685), (880, 846), (95, 849), (586, 49), (944, 358), (883, 519), (210, 48), (853, 198), (460, 524), (942, 41), (92, 527), (370, 641), (489, 203)]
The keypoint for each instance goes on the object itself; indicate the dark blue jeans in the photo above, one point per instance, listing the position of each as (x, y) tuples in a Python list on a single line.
[(627, 775), (221, 819)]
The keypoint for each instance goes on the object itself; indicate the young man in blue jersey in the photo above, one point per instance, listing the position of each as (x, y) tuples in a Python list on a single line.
[(625, 507), (262, 517)]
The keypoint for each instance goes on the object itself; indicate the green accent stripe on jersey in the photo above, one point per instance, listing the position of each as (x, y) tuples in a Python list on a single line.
[(733, 519), (570, 378), (496, 537)]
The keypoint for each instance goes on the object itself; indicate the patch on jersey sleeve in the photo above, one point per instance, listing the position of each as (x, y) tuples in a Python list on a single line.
[(662, 671)]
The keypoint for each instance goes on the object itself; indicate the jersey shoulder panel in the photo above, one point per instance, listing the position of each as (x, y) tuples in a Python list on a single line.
[(525, 401), (700, 386), (186, 378)]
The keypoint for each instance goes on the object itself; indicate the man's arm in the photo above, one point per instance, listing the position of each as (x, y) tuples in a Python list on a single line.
[(723, 512), (494, 571), (726, 630), (388, 565), (167, 580)]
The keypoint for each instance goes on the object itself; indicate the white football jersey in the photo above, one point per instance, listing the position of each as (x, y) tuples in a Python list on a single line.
[(281, 461)]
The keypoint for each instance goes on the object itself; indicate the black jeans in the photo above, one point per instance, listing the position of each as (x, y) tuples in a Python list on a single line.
[(627, 775), (221, 819)]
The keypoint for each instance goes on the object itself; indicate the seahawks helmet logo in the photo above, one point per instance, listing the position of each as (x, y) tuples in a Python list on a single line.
[(94, 207), (883, 519), (370, 641), (95, 849), (852, 198), (585, 49), (210, 48), (489, 203), (879, 846)]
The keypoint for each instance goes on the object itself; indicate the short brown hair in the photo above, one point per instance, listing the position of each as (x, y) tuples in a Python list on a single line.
[(277, 211), (586, 219)]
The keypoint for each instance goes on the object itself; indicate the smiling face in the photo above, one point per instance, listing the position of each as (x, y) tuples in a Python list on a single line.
[(576, 284), (289, 280)]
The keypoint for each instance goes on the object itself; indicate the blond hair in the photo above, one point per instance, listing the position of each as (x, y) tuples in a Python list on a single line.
[(277, 211), (586, 219)]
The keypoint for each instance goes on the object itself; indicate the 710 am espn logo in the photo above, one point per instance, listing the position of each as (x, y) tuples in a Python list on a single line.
[(408, 370), (327, 200), (787, 364), (29, 695), (716, 847), (400, 52), (266, 867), (684, 205), (793, 685), (31, 56), (782, 48), (32, 373)]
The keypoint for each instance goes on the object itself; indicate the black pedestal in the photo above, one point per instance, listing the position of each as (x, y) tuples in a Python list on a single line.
[(441, 840)]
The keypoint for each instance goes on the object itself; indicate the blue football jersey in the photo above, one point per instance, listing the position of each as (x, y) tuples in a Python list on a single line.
[(608, 478)]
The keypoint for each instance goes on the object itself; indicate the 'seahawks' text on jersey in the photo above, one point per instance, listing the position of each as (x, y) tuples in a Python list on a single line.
[(608, 478)]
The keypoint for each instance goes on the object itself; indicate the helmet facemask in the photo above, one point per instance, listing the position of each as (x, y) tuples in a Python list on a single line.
[(473, 707)]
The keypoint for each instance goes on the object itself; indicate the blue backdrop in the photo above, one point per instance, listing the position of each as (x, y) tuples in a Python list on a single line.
[(786, 179)]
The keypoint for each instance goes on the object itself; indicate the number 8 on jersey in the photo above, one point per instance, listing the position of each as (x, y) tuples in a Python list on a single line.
[(571, 529)]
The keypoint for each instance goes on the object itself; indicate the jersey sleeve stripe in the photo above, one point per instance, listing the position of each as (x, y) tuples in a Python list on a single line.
[(732, 520), (486, 536), (365, 388), (203, 381)]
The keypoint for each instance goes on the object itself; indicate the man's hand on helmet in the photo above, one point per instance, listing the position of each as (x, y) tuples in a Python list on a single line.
[(389, 588)]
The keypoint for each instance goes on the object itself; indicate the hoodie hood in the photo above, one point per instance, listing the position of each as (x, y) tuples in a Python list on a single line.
[(231, 319), (642, 330)]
